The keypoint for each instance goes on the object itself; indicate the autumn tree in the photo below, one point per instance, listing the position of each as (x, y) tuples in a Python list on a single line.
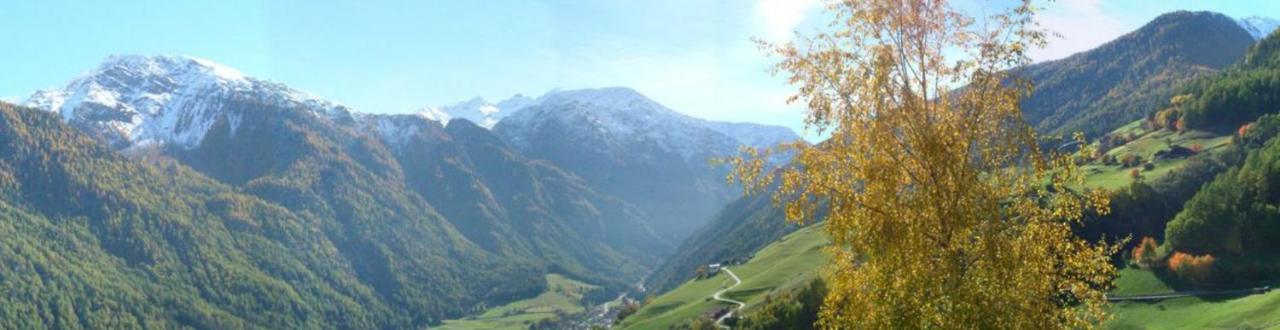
[(942, 210), (1145, 255), (1197, 269)]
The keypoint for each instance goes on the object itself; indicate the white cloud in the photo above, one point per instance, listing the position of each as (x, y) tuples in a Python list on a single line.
[(781, 17), (1082, 25), (10, 99)]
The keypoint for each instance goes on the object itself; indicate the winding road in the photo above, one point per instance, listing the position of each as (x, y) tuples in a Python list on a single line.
[(736, 280)]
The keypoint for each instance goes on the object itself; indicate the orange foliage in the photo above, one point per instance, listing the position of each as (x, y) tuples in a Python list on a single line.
[(1145, 253), (1193, 268), (1197, 148), (1181, 125), (1243, 129)]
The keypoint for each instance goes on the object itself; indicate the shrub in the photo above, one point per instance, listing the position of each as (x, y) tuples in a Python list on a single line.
[(1130, 160), (1254, 134), (1196, 269), (1109, 159), (1145, 254), (1243, 129), (1167, 119), (1197, 148)]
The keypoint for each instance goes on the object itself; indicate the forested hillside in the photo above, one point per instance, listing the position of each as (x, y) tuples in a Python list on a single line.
[(1248, 90), (376, 197), (435, 221), (1121, 81), (101, 241)]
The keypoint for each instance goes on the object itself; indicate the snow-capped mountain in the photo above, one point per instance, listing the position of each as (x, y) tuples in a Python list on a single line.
[(397, 130), (622, 114), (630, 146), (615, 108), (1258, 26), (478, 110), (131, 100), (175, 100)]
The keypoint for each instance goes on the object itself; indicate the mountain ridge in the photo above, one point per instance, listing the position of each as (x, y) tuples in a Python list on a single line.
[(1097, 90), (487, 114), (129, 100)]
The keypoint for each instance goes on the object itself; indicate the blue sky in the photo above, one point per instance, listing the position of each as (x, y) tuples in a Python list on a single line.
[(397, 56)]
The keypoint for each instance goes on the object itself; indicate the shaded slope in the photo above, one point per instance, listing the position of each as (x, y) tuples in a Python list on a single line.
[(1121, 81), (97, 240), (738, 231)]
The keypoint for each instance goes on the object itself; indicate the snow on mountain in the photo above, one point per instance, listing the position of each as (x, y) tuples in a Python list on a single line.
[(617, 110), (754, 135), (478, 110), (130, 100), (625, 114), (396, 130), (1258, 26), (175, 100)]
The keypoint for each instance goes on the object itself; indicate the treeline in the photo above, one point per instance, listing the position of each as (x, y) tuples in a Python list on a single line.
[(791, 310), (1235, 219), (91, 239), (1218, 216), (1246, 91)]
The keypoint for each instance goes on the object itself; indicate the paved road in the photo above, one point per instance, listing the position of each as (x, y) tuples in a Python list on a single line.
[(720, 321), (1162, 296)]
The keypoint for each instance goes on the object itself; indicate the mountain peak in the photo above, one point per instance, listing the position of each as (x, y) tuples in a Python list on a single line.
[(478, 110), (1258, 26), (130, 99), (607, 97), (167, 65)]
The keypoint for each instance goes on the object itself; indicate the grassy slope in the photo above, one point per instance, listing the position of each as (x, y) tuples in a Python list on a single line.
[(563, 295), (679, 305), (1133, 281), (794, 259), (1255, 311), (1244, 312), (789, 262), (1147, 144)]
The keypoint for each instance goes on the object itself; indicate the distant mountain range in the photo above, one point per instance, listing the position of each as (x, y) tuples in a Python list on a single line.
[(427, 221), (487, 114), (478, 110), (133, 101), (187, 193), (627, 145)]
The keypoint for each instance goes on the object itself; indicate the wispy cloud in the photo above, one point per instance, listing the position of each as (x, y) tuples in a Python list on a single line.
[(779, 18), (1082, 25)]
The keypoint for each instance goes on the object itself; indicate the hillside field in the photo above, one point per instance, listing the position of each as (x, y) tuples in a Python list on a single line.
[(785, 264), (563, 296), (795, 259), (1146, 144)]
